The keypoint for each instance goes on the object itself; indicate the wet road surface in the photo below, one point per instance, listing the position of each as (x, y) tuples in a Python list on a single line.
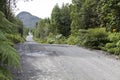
[(64, 62)]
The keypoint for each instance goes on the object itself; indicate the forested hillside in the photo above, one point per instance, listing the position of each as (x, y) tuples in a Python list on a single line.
[(28, 19), (90, 23), (11, 32)]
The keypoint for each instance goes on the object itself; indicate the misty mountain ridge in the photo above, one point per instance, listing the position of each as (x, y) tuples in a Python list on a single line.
[(28, 19)]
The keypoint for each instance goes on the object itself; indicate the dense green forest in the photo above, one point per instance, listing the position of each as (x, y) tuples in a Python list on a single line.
[(88, 23), (11, 32)]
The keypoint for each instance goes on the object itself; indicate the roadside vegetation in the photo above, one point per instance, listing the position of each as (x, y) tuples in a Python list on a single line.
[(11, 33), (88, 23)]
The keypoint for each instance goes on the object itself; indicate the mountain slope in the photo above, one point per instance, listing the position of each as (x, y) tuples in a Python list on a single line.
[(28, 19)]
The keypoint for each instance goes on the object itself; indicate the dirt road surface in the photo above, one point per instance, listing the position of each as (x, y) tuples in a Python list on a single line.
[(64, 62)]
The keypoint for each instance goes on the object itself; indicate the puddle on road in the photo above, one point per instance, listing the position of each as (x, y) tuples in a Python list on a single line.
[(41, 53)]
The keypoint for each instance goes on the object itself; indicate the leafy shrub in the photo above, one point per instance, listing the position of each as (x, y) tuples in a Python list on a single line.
[(96, 38), (77, 38), (114, 46), (118, 44), (114, 37), (81, 36), (72, 40), (56, 39), (115, 50), (14, 38), (50, 39), (59, 39), (6, 26), (5, 74), (8, 55), (110, 45)]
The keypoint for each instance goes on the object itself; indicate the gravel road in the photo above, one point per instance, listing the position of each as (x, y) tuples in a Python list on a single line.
[(64, 62)]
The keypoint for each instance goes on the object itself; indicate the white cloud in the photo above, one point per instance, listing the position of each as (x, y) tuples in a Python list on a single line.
[(40, 8)]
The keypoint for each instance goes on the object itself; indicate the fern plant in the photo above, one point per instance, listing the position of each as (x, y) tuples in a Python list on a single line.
[(5, 74), (9, 34), (8, 56), (6, 26)]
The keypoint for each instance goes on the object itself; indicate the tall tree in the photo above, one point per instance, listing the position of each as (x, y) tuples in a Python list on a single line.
[(109, 14), (6, 7), (76, 15), (65, 20), (60, 19), (55, 19), (89, 15), (42, 29)]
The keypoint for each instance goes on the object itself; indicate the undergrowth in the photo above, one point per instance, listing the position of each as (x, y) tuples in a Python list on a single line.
[(8, 55)]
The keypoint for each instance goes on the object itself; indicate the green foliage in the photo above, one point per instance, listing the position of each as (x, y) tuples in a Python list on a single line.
[(95, 13), (5, 25), (115, 50), (5, 74), (60, 20), (11, 30), (109, 16), (90, 23), (114, 46), (95, 38), (52, 39), (9, 56), (9, 34), (114, 37), (78, 37), (19, 26), (26, 31), (89, 15), (118, 43), (110, 45), (15, 38), (73, 40), (55, 18), (42, 29), (60, 39), (76, 15), (65, 20), (58, 25)]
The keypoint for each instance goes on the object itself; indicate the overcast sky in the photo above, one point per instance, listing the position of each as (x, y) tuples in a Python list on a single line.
[(40, 8)]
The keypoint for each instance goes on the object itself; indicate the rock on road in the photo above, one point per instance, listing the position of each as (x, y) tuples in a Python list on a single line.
[(64, 62)]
